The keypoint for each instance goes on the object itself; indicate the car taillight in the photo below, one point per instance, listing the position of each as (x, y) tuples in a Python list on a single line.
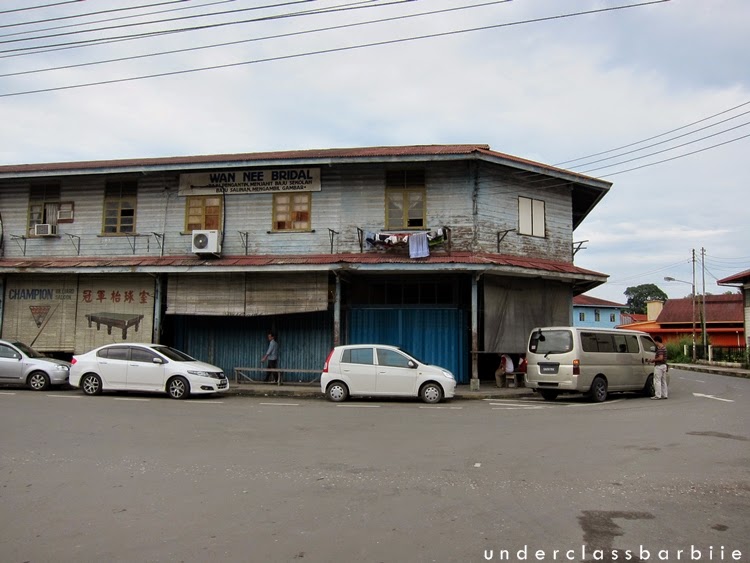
[(73, 361), (325, 366), (576, 367)]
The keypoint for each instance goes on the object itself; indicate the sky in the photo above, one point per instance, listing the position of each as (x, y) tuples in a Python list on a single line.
[(538, 79)]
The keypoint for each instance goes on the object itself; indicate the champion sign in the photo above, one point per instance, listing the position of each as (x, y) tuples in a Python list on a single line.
[(251, 181)]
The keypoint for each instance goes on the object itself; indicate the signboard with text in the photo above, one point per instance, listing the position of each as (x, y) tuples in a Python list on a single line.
[(250, 181)]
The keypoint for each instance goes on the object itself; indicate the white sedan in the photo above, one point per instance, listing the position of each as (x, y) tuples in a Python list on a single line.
[(145, 367)]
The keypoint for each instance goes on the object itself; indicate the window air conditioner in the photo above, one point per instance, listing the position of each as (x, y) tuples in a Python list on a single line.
[(45, 230), (206, 242)]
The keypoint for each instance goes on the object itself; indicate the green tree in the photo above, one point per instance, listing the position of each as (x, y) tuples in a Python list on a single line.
[(639, 295)]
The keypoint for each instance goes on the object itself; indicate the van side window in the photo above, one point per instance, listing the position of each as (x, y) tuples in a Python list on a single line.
[(596, 342), (357, 356), (632, 341), (620, 344), (392, 359), (648, 344)]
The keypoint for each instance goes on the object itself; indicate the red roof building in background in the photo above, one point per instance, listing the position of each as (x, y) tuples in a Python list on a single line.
[(673, 319)]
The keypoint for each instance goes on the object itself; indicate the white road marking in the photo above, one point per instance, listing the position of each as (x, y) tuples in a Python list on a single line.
[(130, 399), (712, 397), (595, 404), (5, 393), (200, 402), (438, 407), (477, 465), (517, 408), (360, 406), (65, 396), (281, 404)]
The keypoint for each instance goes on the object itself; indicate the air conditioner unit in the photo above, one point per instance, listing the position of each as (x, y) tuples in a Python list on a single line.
[(45, 230), (206, 242)]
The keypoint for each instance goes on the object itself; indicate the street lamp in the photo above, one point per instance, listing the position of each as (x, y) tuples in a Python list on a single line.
[(692, 284)]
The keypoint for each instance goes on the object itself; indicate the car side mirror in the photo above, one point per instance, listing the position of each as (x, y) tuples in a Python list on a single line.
[(412, 365), (157, 360)]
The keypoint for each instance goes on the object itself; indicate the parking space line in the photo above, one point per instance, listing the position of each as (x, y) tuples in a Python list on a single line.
[(360, 406), (64, 396), (281, 404), (200, 402), (438, 407), (595, 404), (130, 399), (6, 393)]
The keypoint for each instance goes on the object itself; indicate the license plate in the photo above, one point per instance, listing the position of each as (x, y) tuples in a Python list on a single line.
[(547, 368)]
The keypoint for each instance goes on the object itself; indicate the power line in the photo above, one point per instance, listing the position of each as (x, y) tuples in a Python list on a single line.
[(666, 150), (677, 157), (257, 39), (334, 50), (28, 8), (128, 8), (654, 137)]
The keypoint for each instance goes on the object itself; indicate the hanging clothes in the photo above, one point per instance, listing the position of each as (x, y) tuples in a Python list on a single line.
[(418, 246)]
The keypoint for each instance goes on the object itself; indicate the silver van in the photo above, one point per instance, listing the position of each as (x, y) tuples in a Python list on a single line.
[(596, 362)]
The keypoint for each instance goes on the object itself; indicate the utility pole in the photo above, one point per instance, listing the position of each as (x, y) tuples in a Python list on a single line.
[(703, 303), (693, 296)]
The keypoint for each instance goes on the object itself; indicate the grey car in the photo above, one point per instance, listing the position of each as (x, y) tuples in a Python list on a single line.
[(23, 365)]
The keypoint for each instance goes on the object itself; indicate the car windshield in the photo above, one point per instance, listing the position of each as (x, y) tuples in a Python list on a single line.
[(412, 356), (173, 354), (28, 350), (551, 342)]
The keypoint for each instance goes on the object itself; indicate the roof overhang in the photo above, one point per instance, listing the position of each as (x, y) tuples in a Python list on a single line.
[(478, 264)]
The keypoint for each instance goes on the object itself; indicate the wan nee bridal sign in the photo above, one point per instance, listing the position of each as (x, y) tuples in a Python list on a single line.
[(251, 181)]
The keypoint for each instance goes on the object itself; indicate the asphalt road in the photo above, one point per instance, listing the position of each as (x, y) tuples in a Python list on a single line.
[(145, 478)]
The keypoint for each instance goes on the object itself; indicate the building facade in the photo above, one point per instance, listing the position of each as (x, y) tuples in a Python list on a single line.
[(593, 312), (453, 252)]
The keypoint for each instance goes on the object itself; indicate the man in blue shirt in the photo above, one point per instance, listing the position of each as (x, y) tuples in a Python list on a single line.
[(272, 355)]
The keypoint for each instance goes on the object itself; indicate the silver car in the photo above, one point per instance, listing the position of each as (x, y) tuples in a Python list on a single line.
[(23, 365)]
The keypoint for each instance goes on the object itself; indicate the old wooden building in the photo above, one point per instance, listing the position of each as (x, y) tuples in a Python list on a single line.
[(452, 251)]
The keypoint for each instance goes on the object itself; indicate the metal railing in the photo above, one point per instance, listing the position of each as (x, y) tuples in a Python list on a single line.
[(242, 375)]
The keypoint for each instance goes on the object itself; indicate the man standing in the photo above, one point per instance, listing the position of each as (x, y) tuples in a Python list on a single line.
[(272, 355), (660, 370)]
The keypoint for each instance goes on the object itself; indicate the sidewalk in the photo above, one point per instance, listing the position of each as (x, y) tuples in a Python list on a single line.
[(312, 391), (487, 389), (716, 370)]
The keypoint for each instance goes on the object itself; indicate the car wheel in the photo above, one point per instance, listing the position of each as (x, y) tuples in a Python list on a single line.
[(337, 392), (599, 389), (38, 381), (648, 389), (178, 388), (548, 394), (431, 393), (91, 384)]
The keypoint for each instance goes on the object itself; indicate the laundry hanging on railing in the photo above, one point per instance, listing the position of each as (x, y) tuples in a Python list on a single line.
[(381, 241)]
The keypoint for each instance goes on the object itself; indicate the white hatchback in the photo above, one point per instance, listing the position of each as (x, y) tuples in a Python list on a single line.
[(380, 370), (145, 367)]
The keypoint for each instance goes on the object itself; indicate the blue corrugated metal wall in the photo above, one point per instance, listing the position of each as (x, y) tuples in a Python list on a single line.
[(228, 342), (435, 336)]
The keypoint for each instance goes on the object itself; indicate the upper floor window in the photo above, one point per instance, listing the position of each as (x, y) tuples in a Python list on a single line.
[(120, 198), (611, 317), (581, 316), (291, 211), (203, 212), (405, 196), (597, 315), (531, 217), (44, 204)]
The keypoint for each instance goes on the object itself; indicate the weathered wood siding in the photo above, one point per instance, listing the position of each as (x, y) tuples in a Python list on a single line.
[(475, 199)]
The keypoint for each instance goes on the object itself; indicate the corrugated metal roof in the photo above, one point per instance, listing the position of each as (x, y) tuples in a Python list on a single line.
[(195, 263), (306, 156), (588, 301), (742, 277), (719, 308)]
